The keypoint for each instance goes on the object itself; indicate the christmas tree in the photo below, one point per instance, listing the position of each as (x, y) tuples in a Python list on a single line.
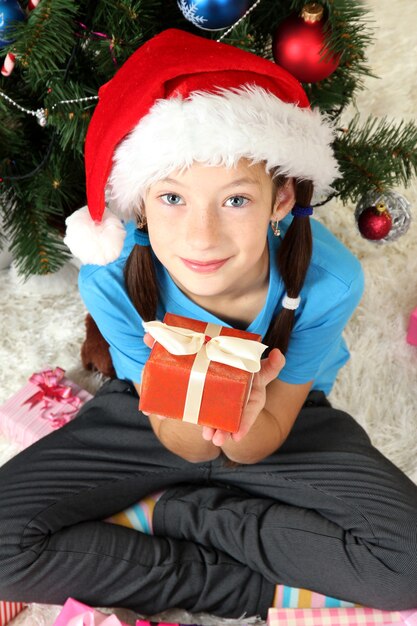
[(57, 53)]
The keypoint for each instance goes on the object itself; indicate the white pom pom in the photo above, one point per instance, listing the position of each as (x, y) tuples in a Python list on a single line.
[(92, 242)]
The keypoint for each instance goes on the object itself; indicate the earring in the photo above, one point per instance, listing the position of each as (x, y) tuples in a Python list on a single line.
[(141, 221), (275, 228)]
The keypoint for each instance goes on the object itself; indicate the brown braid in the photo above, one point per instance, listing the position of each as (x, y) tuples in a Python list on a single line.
[(293, 259), (141, 283)]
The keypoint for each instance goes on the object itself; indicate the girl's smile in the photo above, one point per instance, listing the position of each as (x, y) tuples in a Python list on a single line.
[(204, 267), (208, 226)]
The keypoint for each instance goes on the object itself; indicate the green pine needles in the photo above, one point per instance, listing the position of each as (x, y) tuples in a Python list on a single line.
[(66, 49)]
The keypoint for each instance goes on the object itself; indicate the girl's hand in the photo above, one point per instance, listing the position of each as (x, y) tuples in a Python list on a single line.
[(270, 368)]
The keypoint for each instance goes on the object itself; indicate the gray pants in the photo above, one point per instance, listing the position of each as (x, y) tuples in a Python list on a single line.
[(326, 512)]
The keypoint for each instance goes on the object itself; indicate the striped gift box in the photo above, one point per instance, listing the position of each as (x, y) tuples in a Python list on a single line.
[(9, 610), (294, 598), (359, 616), (22, 420)]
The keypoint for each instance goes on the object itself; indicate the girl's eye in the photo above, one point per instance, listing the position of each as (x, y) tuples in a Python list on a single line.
[(237, 201), (171, 198)]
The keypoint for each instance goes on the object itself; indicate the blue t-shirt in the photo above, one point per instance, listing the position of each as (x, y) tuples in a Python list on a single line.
[(317, 350)]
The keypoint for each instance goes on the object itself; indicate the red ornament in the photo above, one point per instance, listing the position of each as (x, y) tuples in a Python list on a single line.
[(299, 46), (375, 222)]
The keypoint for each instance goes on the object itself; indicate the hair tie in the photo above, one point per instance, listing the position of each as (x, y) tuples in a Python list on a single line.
[(290, 303), (141, 238), (302, 211)]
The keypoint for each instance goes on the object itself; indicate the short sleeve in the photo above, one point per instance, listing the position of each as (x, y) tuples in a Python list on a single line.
[(317, 349), (104, 294)]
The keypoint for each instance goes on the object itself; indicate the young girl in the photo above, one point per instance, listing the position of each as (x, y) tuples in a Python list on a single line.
[(210, 156)]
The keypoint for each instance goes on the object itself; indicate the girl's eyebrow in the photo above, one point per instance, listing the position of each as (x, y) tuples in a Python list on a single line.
[(233, 183)]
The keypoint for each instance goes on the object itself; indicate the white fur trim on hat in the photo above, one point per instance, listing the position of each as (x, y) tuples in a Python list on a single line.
[(97, 243), (219, 129)]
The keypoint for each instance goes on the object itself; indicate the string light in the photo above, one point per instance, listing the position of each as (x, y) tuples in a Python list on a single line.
[(229, 30), (42, 114)]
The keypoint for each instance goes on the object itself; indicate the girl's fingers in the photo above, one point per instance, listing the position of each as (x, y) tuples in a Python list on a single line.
[(148, 340), (220, 437), (160, 417), (208, 433), (216, 436), (271, 367)]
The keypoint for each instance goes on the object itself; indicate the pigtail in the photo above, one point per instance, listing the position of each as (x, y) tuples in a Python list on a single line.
[(293, 259), (141, 281)]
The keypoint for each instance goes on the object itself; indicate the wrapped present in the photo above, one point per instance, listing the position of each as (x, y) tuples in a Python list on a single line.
[(359, 616), (412, 329), (45, 403), (76, 613), (199, 373), (295, 598), (9, 610), (144, 622)]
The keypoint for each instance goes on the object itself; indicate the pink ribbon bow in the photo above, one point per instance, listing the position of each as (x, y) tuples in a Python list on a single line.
[(52, 391), (94, 619)]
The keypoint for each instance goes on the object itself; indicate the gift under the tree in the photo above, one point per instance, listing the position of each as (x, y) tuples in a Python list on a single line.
[(359, 616), (199, 372), (412, 329), (76, 613), (145, 622), (9, 610), (45, 403)]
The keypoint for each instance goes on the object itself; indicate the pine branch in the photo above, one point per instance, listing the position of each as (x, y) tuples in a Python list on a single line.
[(36, 247), (377, 156), (45, 40), (66, 49), (70, 119)]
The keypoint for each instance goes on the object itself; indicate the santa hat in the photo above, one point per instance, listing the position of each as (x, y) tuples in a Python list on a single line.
[(181, 98)]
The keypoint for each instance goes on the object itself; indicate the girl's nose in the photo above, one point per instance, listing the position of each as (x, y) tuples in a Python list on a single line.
[(202, 229)]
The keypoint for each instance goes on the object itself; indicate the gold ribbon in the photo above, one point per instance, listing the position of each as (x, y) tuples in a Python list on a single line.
[(244, 354)]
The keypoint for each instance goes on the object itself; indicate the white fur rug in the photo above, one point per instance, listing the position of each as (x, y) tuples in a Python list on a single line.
[(42, 320)]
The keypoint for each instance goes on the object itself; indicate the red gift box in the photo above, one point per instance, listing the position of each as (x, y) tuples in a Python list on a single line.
[(9, 610), (193, 387)]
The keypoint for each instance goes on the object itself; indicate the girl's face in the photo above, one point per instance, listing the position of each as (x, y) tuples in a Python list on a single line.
[(208, 227)]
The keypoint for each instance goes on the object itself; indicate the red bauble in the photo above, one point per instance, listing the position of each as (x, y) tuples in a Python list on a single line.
[(375, 222), (299, 46)]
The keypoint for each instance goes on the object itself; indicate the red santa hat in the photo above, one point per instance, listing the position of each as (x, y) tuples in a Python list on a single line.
[(181, 98)]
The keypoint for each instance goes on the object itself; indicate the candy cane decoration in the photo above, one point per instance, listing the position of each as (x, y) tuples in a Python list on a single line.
[(8, 64), (10, 60)]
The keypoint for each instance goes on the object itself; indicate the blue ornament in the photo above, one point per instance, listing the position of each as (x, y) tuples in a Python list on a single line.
[(10, 11), (213, 14)]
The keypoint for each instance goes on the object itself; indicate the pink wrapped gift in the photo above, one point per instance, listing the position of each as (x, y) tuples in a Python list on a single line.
[(45, 403), (9, 610), (358, 616), (412, 329), (76, 613), (144, 622)]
